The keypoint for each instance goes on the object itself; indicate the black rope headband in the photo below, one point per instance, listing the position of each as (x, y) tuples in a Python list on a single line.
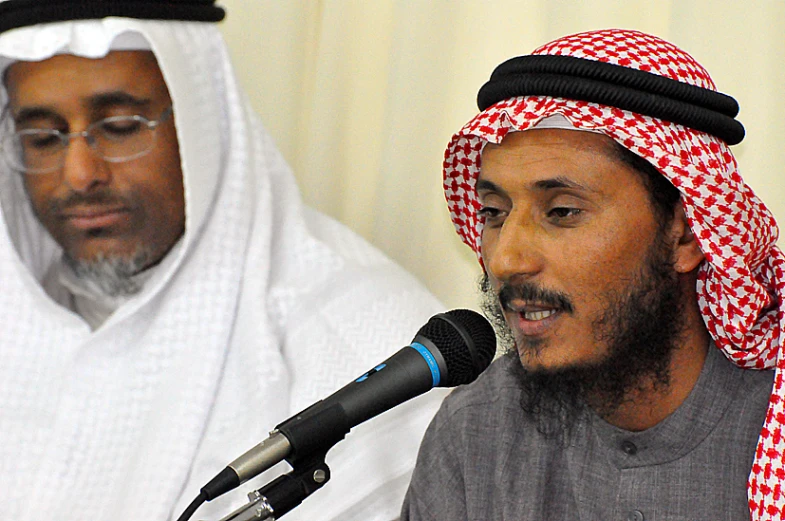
[(21, 13), (616, 86)]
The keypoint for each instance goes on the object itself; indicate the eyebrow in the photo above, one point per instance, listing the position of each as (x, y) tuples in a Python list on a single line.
[(96, 103), (105, 100), (541, 185), (561, 182), (485, 185), (27, 114)]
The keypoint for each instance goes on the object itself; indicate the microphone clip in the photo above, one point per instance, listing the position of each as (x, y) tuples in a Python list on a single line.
[(285, 492)]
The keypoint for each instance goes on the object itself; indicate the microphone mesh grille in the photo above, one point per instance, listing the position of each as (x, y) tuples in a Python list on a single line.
[(466, 341)]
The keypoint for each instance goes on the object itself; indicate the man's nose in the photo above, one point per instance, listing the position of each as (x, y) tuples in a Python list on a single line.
[(83, 167), (514, 250)]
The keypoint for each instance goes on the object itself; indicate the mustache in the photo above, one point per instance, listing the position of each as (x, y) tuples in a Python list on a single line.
[(95, 198), (533, 293)]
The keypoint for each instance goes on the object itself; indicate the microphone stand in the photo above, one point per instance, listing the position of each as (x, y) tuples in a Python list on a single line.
[(285, 492), (311, 434)]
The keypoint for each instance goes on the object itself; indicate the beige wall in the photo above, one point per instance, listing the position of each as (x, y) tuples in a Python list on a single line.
[(362, 96)]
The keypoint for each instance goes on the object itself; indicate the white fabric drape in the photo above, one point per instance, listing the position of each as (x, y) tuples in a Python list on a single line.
[(266, 307), (362, 97)]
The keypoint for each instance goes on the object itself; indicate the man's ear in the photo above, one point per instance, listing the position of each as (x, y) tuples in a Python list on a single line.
[(687, 255)]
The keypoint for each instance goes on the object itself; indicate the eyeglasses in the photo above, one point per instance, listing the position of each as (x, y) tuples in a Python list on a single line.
[(115, 139)]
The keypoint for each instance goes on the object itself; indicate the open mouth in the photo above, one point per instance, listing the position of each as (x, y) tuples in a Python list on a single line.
[(533, 319), (533, 311), (535, 323), (538, 315)]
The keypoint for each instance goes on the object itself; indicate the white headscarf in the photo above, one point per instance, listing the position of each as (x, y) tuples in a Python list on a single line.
[(264, 308)]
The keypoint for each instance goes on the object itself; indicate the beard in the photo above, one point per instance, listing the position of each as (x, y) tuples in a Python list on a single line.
[(112, 276), (640, 328)]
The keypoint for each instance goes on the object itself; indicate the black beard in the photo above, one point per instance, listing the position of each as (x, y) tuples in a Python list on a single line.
[(641, 329)]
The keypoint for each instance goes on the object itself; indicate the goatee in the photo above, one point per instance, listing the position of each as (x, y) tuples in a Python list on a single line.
[(113, 276)]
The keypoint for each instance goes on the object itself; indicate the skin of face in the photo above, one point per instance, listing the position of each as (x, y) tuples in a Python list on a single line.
[(563, 213), (94, 208)]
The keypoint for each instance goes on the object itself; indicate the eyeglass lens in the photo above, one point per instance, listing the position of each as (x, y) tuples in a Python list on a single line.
[(114, 139)]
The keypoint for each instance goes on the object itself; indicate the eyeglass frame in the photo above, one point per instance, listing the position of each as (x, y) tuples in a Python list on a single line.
[(87, 134)]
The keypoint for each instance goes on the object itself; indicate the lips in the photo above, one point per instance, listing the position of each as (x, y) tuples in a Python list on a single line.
[(533, 319), (94, 216)]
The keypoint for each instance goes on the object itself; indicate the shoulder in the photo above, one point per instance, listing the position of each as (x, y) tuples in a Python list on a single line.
[(759, 383), (750, 392), (754, 386), (479, 440), (496, 385), (483, 409), (755, 390), (341, 239), (341, 306)]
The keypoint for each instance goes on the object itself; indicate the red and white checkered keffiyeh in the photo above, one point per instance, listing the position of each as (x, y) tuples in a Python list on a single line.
[(741, 282)]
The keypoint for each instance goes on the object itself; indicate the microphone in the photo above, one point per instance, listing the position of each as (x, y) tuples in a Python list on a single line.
[(453, 348)]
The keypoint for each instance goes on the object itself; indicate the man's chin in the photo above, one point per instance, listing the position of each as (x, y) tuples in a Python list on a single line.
[(552, 394), (111, 271), (99, 248), (546, 360), (541, 355)]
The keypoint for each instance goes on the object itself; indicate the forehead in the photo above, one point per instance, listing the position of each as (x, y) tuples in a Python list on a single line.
[(66, 79), (539, 154), (536, 144)]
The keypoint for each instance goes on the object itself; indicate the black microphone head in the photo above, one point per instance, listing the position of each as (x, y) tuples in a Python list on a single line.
[(466, 341)]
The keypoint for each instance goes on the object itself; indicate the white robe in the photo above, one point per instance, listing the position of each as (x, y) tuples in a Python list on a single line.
[(264, 308)]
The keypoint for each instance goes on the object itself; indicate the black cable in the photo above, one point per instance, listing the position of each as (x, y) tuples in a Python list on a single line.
[(196, 503)]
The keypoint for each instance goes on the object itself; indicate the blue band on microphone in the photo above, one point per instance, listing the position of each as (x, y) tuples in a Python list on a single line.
[(430, 360), (369, 373)]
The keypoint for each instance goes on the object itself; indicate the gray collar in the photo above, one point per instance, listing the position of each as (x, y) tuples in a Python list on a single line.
[(683, 430)]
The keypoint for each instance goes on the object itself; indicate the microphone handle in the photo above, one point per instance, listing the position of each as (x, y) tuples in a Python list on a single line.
[(325, 423), (412, 371), (261, 457)]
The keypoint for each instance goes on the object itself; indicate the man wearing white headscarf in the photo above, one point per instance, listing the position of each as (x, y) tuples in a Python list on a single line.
[(638, 282), (167, 298)]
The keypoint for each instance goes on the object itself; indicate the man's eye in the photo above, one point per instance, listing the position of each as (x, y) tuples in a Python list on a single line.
[(489, 213), (40, 141), (563, 212), (120, 128)]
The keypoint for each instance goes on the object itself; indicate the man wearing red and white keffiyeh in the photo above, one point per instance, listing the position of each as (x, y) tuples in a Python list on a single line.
[(616, 289)]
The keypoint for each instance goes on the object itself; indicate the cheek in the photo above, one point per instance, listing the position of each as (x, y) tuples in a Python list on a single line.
[(175, 201), (488, 243), (486, 248), (166, 184), (41, 192), (605, 265), (166, 203), (493, 236)]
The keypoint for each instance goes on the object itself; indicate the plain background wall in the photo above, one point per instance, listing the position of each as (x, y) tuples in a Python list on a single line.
[(362, 97)]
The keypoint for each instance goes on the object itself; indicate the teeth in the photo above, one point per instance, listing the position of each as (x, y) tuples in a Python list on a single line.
[(538, 315)]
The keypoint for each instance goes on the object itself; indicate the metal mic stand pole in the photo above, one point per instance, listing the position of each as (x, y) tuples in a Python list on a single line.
[(283, 493)]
